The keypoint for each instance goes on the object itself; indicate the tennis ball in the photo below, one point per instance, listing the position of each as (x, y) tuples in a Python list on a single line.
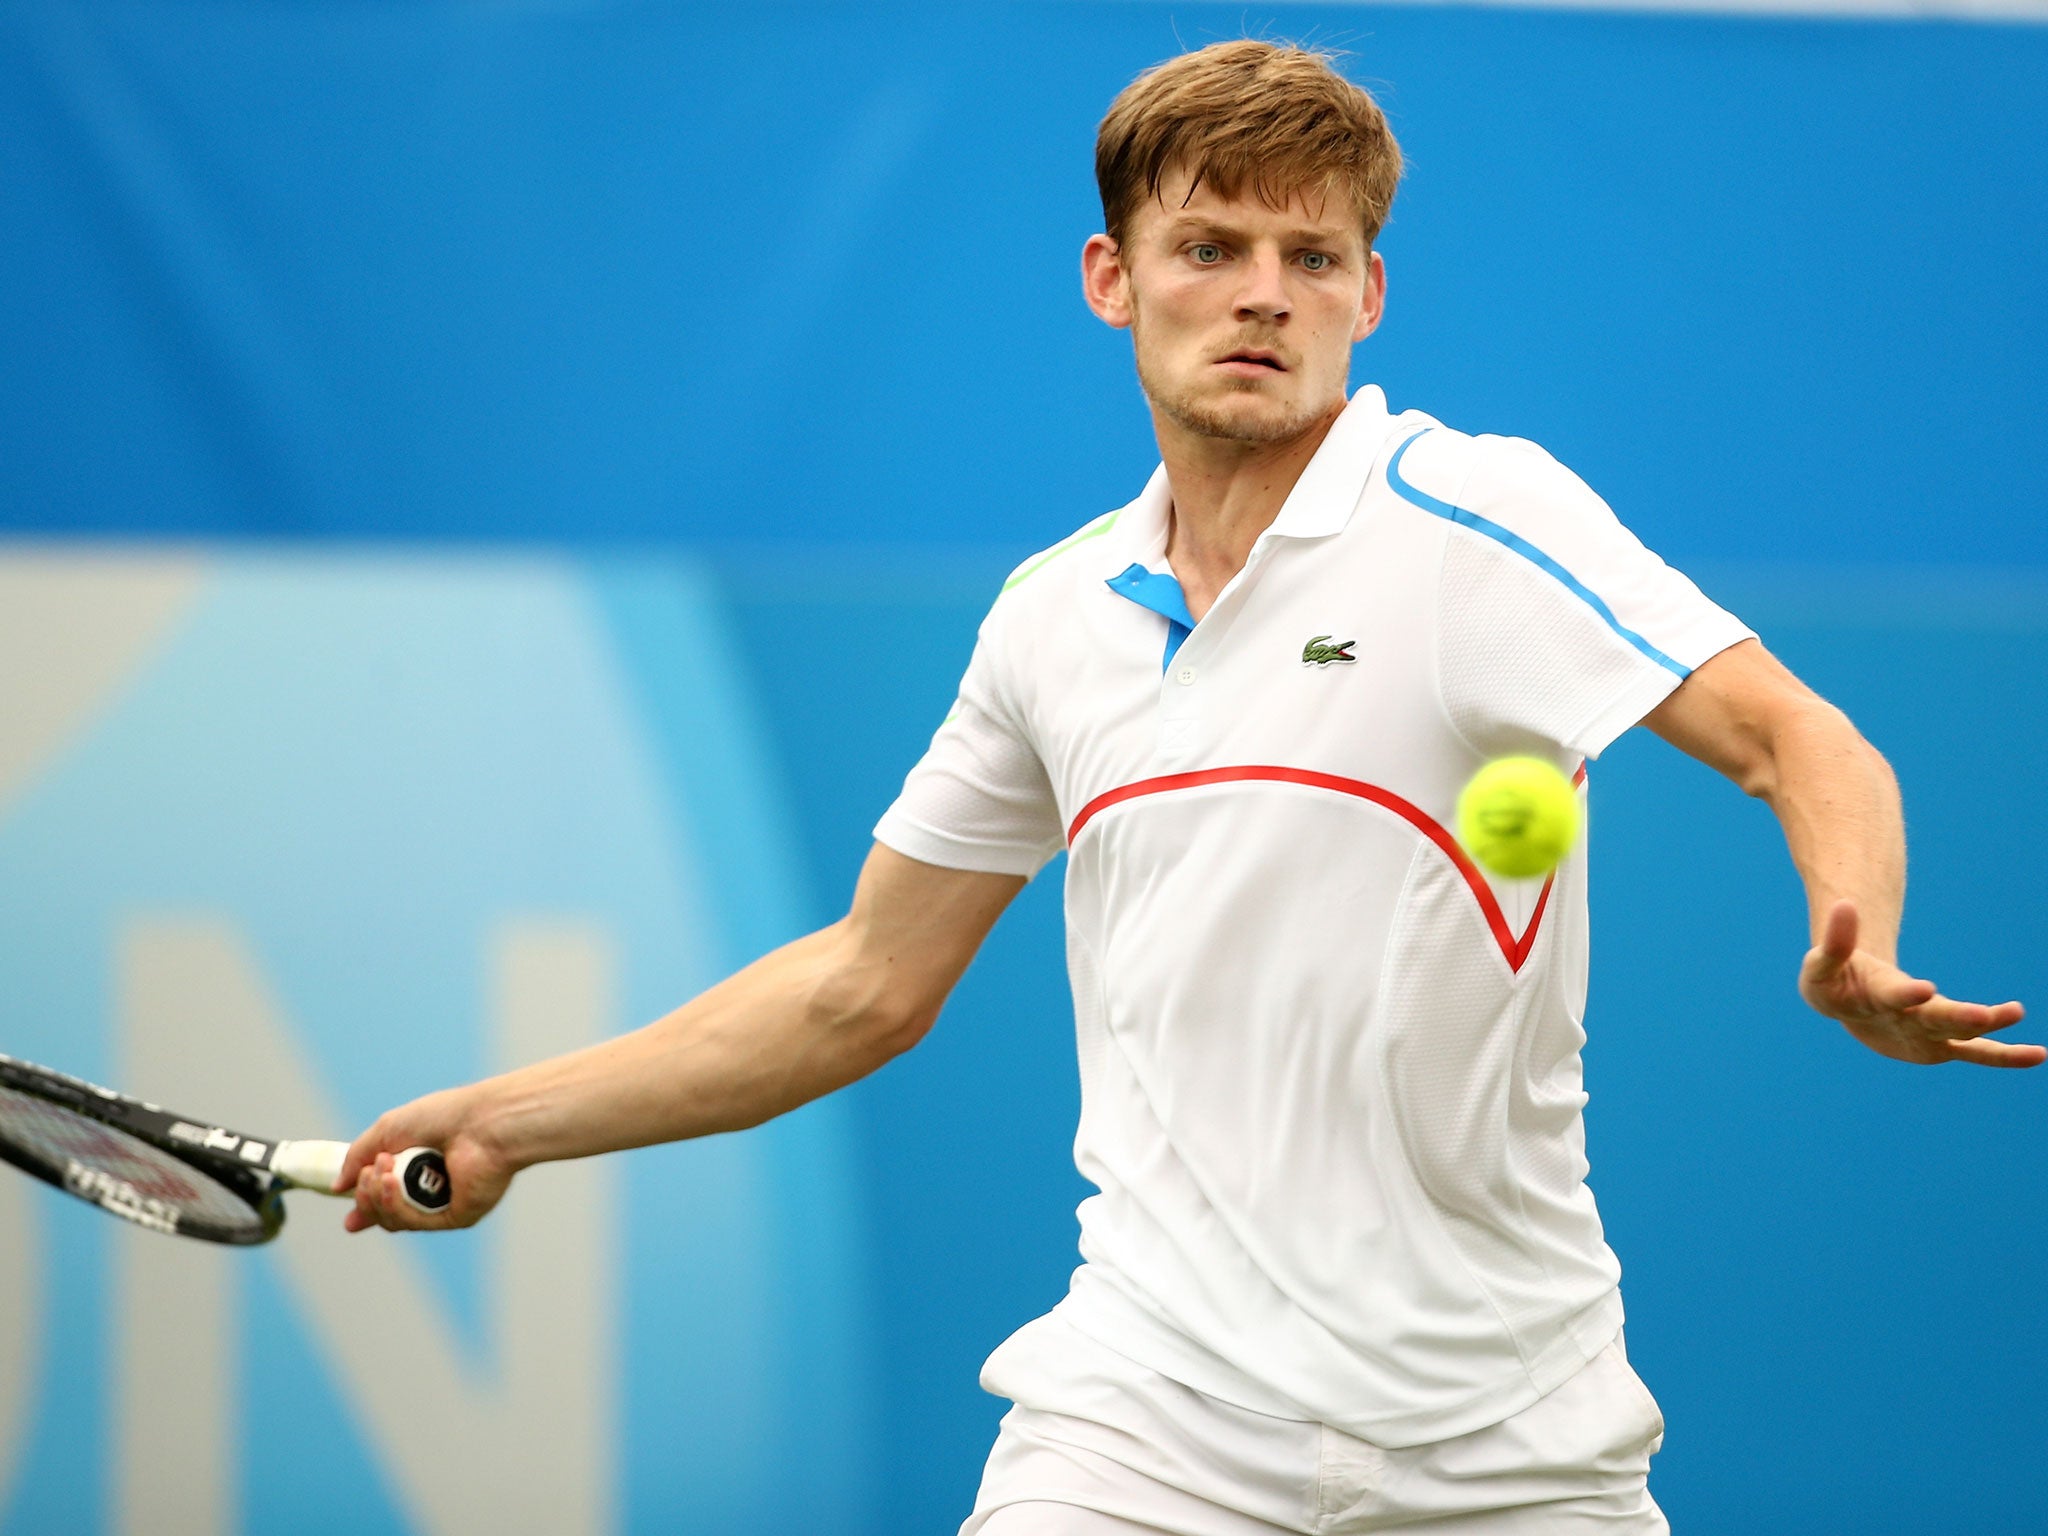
[(1518, 816)]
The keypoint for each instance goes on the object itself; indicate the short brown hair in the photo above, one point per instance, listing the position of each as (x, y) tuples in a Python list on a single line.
[(1274, 118)]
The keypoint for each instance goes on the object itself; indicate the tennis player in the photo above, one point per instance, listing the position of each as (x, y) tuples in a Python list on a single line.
[(1343, 1273)]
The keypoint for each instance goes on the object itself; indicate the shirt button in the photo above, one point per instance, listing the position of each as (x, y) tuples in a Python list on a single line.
[(1184, 675)]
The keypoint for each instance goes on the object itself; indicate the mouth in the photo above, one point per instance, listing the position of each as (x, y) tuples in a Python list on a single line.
[(1252, 361)]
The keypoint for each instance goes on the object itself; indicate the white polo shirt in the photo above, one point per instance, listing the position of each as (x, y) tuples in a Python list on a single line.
[(1330, 1070)]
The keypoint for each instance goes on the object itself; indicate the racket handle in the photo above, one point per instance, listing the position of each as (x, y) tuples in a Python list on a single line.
[(422, 1172)]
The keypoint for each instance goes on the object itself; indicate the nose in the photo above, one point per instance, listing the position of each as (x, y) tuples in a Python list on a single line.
[(1263, 295)]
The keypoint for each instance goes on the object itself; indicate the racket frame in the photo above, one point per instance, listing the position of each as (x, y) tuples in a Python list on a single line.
[(255, 1169)]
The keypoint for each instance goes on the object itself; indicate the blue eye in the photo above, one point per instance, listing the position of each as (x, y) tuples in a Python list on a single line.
[(1207, 255), (1315, 261)]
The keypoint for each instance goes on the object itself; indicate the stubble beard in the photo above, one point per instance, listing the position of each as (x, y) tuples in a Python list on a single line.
[(1212, 416)]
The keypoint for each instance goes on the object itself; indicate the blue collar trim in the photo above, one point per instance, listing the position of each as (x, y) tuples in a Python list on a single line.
[(1162, 594)]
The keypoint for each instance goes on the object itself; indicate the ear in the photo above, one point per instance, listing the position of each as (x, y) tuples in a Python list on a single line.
[(1372, 307), (1105, 284)]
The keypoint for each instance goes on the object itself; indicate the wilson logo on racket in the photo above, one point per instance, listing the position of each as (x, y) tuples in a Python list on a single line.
[(120, 1197), (1321, 651), (425, 1181)]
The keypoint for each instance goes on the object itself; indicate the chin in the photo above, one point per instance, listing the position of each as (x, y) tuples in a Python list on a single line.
[(1239, 416)]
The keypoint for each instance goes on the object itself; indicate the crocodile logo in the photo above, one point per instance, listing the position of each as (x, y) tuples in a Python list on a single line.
[(1320, 652)]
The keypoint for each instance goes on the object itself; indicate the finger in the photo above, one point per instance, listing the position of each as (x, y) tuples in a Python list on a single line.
[(1895, 989), (1836, 944), (397, 1215), (359, 1153), (362, 1214), (1955, 1019), (1997, 1053), (368, 1211), (395, 1210), (1838, 935), (362, 1152), (374, 1190)]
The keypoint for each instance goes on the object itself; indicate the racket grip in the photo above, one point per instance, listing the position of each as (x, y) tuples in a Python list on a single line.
[(422, 1171)]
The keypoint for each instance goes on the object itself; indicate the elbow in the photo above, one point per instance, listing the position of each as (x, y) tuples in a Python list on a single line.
[(1756, 767), (1760, 772), (869, 1016), (911, 1027), (1814, 734), (893, 1025)]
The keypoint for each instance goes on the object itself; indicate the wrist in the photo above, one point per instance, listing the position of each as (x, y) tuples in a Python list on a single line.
[(506, 1120)]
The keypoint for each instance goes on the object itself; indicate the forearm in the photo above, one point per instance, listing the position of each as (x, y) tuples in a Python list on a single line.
[(1744, 714), (1838, 802), (791, 1027), (807, 1019)]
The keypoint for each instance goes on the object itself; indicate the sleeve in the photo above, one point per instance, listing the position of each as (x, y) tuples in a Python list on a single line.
[(980, 797), (1555, 626)]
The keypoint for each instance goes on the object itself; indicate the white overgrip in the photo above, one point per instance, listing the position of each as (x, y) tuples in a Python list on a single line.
[(310, 1164)]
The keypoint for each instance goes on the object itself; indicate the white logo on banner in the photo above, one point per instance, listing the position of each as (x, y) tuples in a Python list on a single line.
[(519, 1443), (73, 632), (20, 1307)]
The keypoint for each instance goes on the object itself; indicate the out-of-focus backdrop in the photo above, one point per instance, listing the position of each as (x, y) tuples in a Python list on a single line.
[(494, 496)]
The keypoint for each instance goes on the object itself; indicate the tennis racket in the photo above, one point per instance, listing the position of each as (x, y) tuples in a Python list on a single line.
[(170, 1173)]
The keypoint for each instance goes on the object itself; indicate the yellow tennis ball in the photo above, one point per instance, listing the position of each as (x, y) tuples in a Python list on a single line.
[(1518, 817)]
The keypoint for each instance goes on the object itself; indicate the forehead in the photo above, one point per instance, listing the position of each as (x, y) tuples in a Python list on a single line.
[(1318, 212)]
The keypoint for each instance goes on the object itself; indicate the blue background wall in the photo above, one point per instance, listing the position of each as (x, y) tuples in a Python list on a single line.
[(787, 294)]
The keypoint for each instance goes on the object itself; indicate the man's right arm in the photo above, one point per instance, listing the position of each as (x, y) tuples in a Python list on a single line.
[(810, 1017)]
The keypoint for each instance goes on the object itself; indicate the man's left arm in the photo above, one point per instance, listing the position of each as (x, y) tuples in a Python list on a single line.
[(1744, 713)]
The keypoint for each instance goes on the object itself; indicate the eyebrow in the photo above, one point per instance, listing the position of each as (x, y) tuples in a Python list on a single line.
[(1202, 224)]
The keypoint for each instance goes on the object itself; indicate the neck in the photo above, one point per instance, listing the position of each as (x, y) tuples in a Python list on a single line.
[(1225, 494)]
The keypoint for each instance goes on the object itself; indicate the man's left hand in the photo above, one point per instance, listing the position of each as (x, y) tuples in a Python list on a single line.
[(1897, 1015)]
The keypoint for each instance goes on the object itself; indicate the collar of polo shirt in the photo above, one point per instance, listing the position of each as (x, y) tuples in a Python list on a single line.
[(1320, 504)]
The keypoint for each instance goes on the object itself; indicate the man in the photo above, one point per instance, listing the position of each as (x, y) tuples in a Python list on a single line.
[(1343, 1273)]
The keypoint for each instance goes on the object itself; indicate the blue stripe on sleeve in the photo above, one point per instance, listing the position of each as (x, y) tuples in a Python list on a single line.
[(1525, 549)]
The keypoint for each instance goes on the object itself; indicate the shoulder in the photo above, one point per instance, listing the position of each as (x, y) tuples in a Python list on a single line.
[(1055, 557), (1045, 584), (1494, 485)]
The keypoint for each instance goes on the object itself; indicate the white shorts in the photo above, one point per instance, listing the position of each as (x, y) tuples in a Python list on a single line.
[(1100, 1446)]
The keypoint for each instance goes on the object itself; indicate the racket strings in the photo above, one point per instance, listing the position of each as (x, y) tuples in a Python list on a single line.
[(111, 1167)]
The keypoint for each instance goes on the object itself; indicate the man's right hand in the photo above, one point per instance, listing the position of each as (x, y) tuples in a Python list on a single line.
[(478, 1173)]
